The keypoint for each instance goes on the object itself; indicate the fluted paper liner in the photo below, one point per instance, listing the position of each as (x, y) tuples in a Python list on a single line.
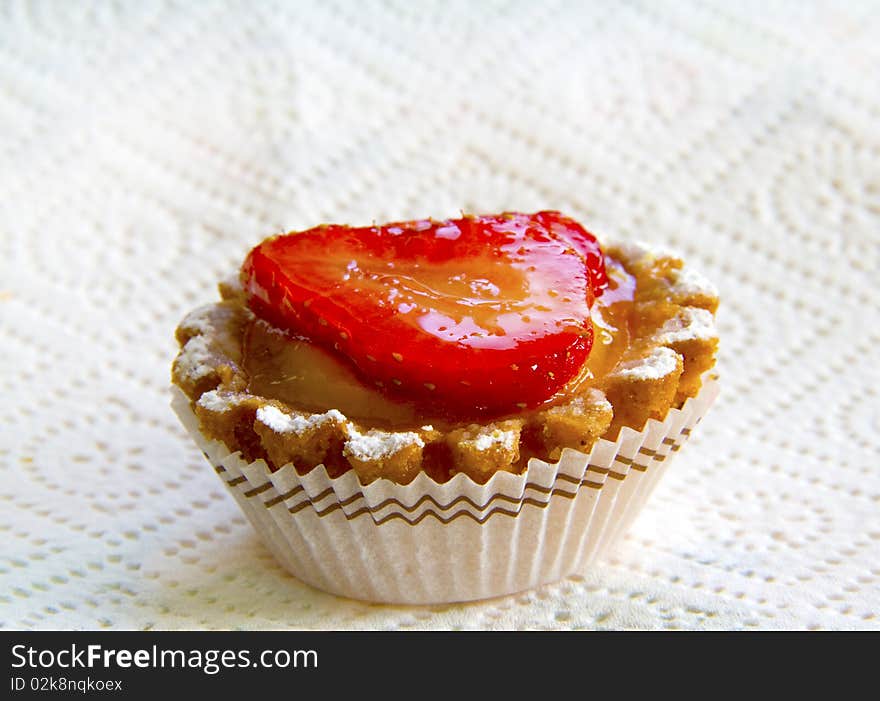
[(435, 543)]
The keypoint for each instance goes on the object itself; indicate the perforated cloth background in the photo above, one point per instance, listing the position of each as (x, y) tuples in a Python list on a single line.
[(145, 146)]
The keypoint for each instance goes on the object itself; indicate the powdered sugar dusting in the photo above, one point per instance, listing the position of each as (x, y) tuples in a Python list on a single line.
[(378, 445), (196, 359), (691, 323), (217, 402), (200, 321), (278, 421), (639, 250), (593, 399), (661, 363), (687, 282), (497, 437)]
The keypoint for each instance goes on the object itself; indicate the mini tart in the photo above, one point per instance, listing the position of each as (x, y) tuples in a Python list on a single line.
[(663, 343)]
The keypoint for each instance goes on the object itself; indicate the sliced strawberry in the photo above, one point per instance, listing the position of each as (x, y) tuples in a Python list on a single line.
[(584, 243), (471, 317)]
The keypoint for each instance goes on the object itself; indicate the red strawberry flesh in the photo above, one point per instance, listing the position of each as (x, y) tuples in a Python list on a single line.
[(470, 317)]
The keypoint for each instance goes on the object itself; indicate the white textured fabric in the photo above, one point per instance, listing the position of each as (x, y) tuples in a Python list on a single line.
[(146, 146)]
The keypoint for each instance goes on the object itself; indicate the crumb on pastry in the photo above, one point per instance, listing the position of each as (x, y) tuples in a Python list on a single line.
[(576, 424), (643, 388), (304, 439), (482, 450), (377, 453)]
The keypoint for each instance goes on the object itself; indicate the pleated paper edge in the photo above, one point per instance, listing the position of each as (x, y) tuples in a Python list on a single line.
[(430, 543)]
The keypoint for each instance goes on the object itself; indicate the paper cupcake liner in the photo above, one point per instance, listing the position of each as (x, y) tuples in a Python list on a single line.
[(436, 543)]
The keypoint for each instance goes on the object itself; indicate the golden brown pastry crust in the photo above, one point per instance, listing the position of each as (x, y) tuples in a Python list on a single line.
[(672, 343)]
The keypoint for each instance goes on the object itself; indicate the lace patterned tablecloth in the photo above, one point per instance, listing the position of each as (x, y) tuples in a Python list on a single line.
[(147, 145)]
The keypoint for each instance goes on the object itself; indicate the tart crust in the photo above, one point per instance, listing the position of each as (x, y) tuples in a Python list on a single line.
[(672, 343)]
